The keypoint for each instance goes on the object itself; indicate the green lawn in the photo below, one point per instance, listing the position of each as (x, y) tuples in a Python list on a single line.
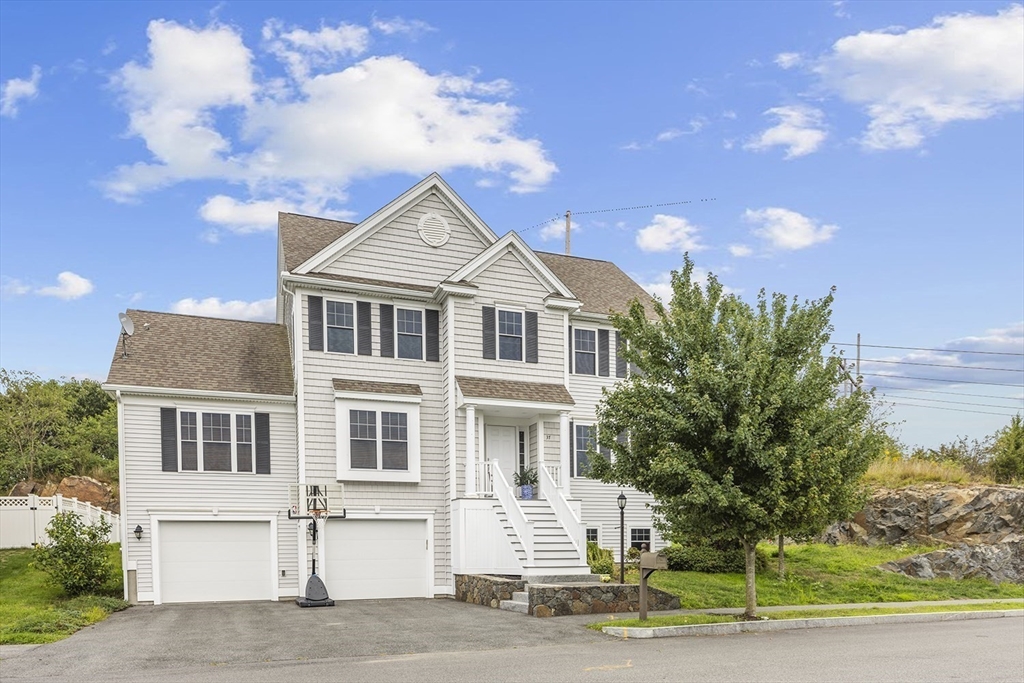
[(691, 619), (821, 574), (33, 610)]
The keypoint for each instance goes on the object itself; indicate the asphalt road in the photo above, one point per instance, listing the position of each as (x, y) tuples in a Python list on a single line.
[(444, 641)]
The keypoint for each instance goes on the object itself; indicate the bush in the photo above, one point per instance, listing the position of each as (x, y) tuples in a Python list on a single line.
[(711, 558), (601, 560), (1007, 464), (76, 555)]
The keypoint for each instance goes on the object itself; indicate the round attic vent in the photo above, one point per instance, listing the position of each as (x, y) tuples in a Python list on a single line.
[(434, 229)]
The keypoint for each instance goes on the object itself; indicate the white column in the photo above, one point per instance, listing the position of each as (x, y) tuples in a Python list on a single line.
[(564, 447), (470, 450)]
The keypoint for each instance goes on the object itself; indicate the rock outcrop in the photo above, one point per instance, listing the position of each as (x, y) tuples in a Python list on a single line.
[(85, 489), (978, 514), (999, 562)]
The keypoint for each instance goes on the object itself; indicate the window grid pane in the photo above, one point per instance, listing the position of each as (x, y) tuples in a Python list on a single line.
[(510, 322), (510, 348), (243, 445), (409, 322), (592, 535), (339, 314), (585, 439), (410, 346), (217, 427), (188, 427), (637, 537)]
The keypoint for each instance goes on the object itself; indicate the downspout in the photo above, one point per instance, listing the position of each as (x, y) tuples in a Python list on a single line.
[(300, 415), (123, 522)]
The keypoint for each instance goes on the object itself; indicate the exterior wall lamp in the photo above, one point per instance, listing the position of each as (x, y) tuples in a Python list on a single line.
[(138, 531), (622, 537)]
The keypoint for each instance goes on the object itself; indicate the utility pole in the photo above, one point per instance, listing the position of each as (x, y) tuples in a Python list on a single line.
[(859, 376), (568, 229)]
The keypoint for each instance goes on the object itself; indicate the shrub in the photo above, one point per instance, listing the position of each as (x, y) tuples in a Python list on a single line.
[(711, 558), (1007, 464), (75, 556), (601, 560)]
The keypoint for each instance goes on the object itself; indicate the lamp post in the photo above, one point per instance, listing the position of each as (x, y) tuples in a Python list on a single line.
[(622, 537)]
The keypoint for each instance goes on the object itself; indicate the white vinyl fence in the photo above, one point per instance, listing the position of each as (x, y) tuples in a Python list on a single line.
[(23, 519)]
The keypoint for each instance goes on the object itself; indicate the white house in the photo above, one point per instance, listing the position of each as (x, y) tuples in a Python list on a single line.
[(419, 360)]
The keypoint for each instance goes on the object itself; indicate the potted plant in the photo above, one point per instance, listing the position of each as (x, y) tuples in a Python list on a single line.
[(525, 481)]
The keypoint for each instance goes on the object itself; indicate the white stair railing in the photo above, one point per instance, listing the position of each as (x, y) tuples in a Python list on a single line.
[(522, 526), (564, 513), (554, 470)]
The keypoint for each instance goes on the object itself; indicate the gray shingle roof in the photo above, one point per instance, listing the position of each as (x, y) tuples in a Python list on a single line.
[(304, 236), (205, 354), (363, 386), (533, 392), (600, 285)]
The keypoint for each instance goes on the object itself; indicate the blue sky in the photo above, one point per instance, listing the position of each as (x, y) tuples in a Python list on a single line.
[(877, 147)]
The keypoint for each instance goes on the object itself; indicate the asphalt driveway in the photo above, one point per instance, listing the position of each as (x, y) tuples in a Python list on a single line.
[(145, 639)]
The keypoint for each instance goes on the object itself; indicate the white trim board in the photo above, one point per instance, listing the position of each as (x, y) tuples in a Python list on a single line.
[(512, 243)]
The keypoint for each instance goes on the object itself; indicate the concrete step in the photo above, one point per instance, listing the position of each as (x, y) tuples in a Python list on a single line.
[(521, 596), (522, 607)]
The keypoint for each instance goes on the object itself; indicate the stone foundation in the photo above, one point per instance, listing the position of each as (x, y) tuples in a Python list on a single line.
[(484, 589), (594, 598)]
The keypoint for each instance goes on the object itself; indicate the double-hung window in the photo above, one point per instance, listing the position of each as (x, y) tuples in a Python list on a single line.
[(341, 327), (585, 346), (215, 442), (409, 330), (592, 534), (510, 335), (639, 536), (585, 440), (377, 440), (393, 440)]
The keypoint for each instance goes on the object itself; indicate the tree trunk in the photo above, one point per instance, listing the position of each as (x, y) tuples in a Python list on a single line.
[(751, 609), (782, 557)]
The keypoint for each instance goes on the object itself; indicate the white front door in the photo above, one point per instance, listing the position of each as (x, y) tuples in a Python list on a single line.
[(500, 447)]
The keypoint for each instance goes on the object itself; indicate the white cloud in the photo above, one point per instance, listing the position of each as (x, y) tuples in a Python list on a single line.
[(305, 136), (397, 25), (800, 129), (14, 287), (213, 307), (661, 285), (694, 126), (839, 9), (740, 250), (243, 217), (783, 229), (556, 229), (669, 233), (787, 60), (69, 286), (18, 90), (911, 82)]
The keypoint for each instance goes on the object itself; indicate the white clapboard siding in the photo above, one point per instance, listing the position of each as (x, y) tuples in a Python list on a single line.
[(508, 281), (395, 251), (149, 490), (320, 368)]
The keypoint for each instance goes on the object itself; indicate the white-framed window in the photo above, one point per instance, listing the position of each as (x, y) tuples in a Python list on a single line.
[(584, 440), (215, 441), (638, 536), (340, 323), (522, 451), (584, 351), (409, 333), (378, 438), (510, 335), (593, 535)]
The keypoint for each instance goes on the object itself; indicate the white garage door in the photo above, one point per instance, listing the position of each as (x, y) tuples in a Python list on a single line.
[(215, 561), (376, 559)]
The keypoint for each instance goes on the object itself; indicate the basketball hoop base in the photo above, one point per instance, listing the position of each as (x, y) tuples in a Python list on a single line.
[(316, 594)]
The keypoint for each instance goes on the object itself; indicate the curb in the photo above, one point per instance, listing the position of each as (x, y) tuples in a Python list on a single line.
[(798, 624)]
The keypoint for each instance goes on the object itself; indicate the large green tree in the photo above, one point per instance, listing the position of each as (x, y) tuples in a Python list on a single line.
[(735, 419)]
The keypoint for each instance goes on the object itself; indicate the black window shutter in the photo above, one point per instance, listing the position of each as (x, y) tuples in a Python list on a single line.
[(570, 349), (262, 443), (387, 331), (364, 328), (602, 353), (433, 336), (169, 439), (316, 322), (620, 360), (572, 447), (489, 333), (531, 336)]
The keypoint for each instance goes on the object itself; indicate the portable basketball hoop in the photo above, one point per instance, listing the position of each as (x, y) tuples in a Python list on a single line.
[(318, 503)]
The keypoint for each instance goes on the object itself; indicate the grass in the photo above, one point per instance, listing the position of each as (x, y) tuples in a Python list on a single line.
[(896, 473), (33, 610), (692, 619), (820, 574)]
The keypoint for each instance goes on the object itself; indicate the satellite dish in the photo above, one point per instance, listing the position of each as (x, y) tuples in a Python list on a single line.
[(126, 324)]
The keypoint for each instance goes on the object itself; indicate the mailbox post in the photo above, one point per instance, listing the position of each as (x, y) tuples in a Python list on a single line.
[(649, 563)]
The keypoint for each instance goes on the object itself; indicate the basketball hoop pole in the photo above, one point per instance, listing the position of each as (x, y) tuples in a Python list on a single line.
[(317, 505)]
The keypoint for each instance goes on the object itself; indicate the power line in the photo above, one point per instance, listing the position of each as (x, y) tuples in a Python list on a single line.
[(918, 348), (621, 208), (957, 410), (959, 403), (952, 393), (940, 365), (936, 379)]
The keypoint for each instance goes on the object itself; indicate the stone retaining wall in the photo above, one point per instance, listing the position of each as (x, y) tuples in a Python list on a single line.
[(483, 589), (594, 598)]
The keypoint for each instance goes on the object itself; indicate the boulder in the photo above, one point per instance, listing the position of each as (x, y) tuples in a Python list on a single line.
[(48, 489), (977, 514), (25, 488), (88, 490), (997, 562)]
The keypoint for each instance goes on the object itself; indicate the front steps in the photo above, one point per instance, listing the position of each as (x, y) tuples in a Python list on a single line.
[(555, 558), (520, 602)]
